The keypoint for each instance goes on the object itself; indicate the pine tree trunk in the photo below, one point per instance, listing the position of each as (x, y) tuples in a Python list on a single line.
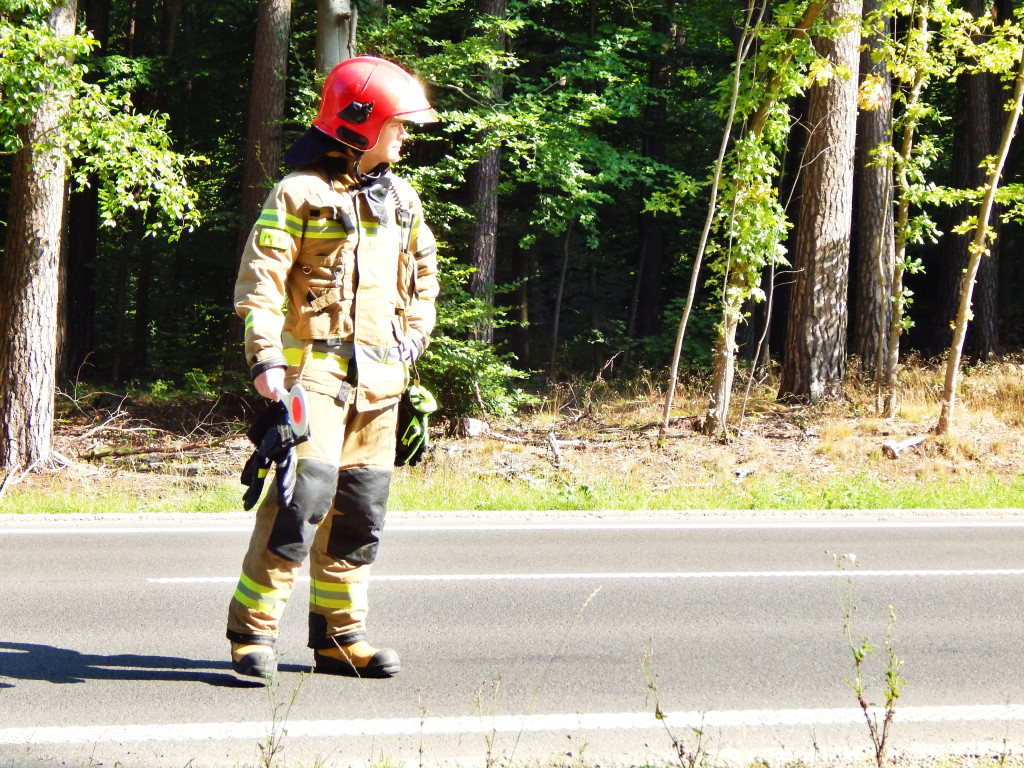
[(876, 250), (814, 359), (263, 143), (483, 179), (29, 285), (266, 109)]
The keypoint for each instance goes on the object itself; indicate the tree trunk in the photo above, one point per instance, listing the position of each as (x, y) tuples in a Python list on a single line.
[(266, 109), (557, 315), (263, 142), (335, 33), (483, 178), (875, 252), (737, 281), (978, 250), (29, 285), (143, 284), (519, 331), (814, 359)]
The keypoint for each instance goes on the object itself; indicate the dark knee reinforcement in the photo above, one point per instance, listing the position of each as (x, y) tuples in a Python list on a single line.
[(296, 524), (361, 500)]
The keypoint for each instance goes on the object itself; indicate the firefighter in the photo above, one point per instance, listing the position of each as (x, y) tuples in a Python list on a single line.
[(336, 289)]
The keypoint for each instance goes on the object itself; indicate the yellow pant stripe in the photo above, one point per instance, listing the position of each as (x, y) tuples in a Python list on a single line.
[(256, 597), (340, 597)]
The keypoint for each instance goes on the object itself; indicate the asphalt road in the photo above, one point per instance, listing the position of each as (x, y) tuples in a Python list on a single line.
[(523, 640)]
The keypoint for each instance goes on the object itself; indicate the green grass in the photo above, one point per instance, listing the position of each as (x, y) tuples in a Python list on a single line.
[(440, 491), (781, 491), (184, 497)]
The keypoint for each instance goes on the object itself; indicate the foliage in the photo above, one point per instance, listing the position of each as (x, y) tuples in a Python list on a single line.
[(102, 137), (699, 341), (467, 375), (604, 114)]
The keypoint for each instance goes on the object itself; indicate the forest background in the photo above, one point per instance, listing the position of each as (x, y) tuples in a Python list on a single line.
[(792, 190)]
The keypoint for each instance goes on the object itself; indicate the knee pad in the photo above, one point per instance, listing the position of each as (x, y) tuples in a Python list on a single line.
[(296, 523), (361, 501)]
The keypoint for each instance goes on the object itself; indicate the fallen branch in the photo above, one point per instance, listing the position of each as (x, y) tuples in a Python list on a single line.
[(893, 449), (554, 449), (117, 453)]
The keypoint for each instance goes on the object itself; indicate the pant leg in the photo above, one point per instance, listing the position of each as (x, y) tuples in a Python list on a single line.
[(282, 538), (345, 545)]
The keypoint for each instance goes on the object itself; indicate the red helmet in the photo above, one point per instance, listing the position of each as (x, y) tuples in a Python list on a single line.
[(363, 93)]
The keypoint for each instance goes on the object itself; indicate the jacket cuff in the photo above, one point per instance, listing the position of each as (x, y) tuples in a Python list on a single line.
[(267, 364)]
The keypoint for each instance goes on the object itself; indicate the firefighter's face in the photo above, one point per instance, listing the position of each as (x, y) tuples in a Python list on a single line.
[(389, 146)]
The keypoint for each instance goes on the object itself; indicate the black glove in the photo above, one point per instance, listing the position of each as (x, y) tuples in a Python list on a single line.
[(413, 434), (275, 443)]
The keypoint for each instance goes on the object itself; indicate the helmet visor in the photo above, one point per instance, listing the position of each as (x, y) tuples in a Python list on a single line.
[(427, 115), (413, 105)]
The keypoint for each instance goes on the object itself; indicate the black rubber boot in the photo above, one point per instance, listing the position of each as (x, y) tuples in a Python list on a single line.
[(357, 660), (253, 660)]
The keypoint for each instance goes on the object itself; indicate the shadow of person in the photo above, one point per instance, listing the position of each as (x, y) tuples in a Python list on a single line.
[(29, 661)]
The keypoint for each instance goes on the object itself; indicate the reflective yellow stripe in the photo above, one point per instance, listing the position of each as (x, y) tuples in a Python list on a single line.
[(293, 356), (278, 219), (326, 229), (277, 239), (256, 597), (342, 597), (321, 229)]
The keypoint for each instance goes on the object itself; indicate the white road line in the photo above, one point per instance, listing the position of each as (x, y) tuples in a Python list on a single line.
[(503, 724), (629, 576)]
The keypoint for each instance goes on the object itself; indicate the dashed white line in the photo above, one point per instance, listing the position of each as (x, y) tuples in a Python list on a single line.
[(179, 732)]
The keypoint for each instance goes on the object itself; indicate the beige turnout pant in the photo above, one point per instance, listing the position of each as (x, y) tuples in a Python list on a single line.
[(343, 475)]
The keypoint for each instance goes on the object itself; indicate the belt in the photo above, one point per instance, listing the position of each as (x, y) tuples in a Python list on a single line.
[(337, 347)]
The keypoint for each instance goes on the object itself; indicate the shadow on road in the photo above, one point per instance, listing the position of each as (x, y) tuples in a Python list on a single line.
[(28, 661)]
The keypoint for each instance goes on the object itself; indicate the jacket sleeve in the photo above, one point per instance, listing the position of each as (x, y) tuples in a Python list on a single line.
[(422, 312), (260, 296)]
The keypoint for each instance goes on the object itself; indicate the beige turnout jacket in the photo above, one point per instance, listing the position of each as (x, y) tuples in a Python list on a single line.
[(341, 267)]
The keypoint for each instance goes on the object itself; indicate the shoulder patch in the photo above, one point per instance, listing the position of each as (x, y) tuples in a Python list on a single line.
[(277, 239)]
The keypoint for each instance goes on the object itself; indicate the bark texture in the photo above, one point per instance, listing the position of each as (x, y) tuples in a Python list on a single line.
[(814, 359), (876, 250), (482, 181), (29, 285), (263, 141)]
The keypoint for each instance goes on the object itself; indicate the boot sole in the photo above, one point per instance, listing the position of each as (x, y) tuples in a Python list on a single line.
[(260, 665), (382, 665)]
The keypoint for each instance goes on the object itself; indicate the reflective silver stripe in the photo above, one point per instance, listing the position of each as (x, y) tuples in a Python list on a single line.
[(388, 355)]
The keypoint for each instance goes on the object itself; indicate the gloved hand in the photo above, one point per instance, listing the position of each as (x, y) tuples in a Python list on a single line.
[(409, 351), (275, 444)]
